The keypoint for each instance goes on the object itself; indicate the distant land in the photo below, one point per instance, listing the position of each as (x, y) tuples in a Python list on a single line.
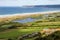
[(54, 6)]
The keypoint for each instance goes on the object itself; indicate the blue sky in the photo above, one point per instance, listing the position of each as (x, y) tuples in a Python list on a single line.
[(28, 2)]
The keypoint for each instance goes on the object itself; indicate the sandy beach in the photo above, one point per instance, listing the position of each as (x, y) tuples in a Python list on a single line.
[(26, 14)]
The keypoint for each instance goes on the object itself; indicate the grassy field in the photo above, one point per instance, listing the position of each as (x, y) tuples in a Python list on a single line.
[(14, 29), (14, 33)]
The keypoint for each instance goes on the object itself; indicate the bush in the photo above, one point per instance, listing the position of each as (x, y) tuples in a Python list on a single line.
[(53, 36)]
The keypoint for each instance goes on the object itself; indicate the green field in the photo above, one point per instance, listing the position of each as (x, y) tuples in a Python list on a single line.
[(14, 33), (12, 30)]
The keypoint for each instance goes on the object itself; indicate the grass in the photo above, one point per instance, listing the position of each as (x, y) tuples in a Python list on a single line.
[(36, 26), (17, 32), (14, 33), (9, 34)]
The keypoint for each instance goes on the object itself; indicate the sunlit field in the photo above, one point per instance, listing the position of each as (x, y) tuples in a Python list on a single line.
[(14, 30)]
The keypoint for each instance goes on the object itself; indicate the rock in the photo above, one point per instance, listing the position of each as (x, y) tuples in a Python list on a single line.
[(32, 35)]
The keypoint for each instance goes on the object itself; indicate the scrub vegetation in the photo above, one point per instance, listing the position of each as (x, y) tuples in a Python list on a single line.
[(10, 30)]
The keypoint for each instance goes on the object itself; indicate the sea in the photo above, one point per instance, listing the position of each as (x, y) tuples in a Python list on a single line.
[(28, 9)]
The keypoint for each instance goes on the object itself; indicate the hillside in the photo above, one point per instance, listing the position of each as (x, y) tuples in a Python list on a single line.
[(30, 30)]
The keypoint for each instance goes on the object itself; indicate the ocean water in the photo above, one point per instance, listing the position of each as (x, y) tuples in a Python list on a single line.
[(15, 10)]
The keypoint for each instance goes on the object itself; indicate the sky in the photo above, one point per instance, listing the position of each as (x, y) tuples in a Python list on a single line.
[(28, 2)]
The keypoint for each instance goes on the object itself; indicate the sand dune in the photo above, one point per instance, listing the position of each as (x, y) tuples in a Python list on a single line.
[(22, 16)]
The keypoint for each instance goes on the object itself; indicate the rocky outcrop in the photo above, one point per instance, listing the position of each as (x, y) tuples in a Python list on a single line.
[(32, 35)]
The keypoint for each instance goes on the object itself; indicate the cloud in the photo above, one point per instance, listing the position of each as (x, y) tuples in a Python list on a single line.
[(27, 2)]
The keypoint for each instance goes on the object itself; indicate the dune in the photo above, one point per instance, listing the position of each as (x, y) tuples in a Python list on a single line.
[(23, 15)]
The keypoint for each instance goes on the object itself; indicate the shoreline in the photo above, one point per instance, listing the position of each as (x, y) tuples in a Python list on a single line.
[(27, 14)]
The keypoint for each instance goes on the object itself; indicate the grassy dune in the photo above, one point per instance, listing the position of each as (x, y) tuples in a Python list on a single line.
[(13, 30)]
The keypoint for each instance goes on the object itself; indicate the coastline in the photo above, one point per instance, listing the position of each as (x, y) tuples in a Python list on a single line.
[(27, 14)]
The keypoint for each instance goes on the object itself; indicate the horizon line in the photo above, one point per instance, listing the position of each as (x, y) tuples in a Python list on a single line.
[(30, 5)]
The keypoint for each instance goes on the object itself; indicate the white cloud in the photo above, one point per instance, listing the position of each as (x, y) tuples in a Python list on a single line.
[(27, 2)]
